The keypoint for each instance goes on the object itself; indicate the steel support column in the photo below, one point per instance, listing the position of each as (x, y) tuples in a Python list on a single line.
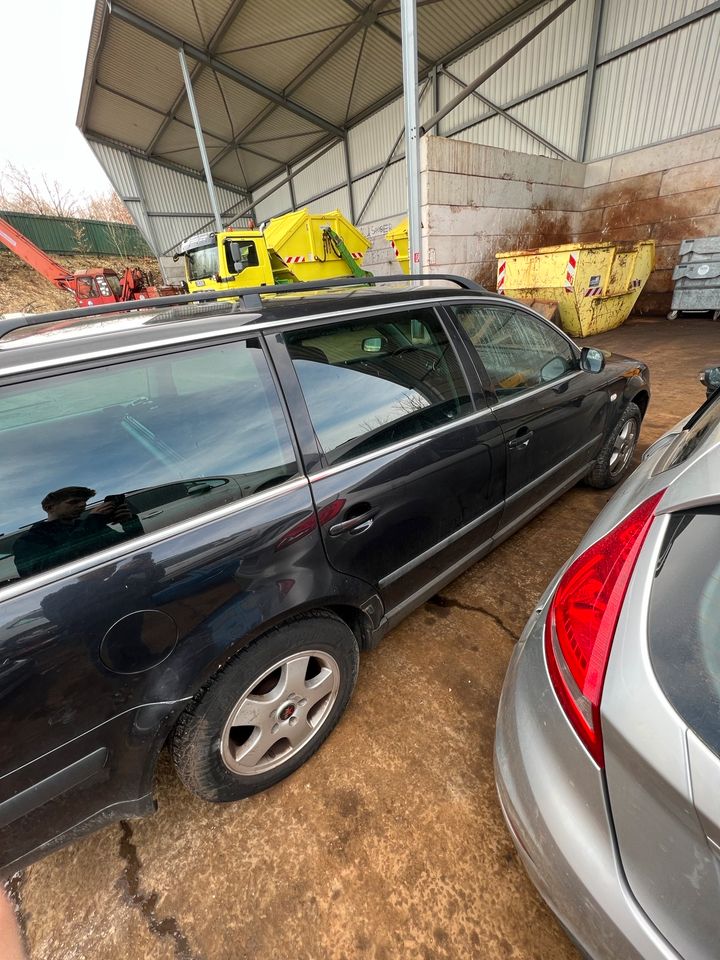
[(590, 79), (348, 174), (408, 19), (291, 185), (200, 140)]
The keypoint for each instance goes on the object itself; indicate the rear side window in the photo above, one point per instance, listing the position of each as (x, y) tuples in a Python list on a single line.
[(94, 458), (373, 382), (518, 351), (684, 621)]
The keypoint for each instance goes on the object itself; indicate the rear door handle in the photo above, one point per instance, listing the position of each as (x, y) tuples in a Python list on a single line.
[(354, 525), (521, 439)]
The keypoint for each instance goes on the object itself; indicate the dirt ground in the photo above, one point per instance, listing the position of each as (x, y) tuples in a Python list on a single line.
[(23, 290), (389, 843)]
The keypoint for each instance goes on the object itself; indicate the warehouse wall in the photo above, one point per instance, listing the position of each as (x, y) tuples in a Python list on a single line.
[(667, 192), (477, 201)]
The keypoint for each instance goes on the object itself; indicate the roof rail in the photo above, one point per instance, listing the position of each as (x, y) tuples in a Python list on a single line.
[(250, 297)]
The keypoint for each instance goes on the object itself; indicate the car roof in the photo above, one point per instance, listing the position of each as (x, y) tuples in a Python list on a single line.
[(72, 335)]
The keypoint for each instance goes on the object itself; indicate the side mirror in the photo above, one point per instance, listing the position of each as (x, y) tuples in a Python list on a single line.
[(710, 379), (592, 360), (236, 254), (373, 344)]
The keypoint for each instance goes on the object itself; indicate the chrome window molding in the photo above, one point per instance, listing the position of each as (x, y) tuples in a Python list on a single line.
[(17, 587), (398, 445), (535, 390)]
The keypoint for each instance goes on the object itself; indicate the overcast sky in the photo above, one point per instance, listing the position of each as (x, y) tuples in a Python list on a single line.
[(44, 49)]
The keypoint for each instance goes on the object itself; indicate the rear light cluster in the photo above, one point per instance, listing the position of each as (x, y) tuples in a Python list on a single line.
[(582, 619)]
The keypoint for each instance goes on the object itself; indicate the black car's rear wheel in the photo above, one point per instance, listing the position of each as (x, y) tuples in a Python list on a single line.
[(267, 710), (615, 459)]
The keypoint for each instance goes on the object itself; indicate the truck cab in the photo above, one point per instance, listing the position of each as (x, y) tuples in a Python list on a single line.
[(232, 258)]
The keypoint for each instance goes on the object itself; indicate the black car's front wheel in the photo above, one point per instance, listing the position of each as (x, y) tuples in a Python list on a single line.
[(615, 459), (267, 710)]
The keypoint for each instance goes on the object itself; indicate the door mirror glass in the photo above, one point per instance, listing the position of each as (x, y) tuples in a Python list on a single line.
[(552, 370), (592, 360), (373, 344)]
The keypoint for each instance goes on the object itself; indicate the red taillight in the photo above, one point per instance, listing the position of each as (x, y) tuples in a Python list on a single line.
[(582, 619)]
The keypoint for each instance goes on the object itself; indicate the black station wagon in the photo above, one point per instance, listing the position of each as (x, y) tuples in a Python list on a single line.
[(209, 508)]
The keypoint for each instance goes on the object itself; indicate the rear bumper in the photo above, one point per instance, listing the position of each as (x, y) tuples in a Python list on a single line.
[(553, 798)]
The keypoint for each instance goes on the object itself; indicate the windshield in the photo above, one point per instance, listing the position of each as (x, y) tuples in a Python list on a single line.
[(202, 262), (114, 284)]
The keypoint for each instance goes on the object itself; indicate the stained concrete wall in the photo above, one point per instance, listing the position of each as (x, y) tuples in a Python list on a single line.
[(478, 200), (667, 192)]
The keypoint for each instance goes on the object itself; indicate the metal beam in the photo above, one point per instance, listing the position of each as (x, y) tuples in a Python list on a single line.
[(164, 36), (293, 200), (348, 176), (590, 79), (494, 67), (660, 32), (501, 111), (412, 131), (367, 17), (382, 168), (230, 14), (200, 140)]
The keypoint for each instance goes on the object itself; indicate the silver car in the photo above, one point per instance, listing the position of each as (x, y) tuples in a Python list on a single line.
[(607, 755)]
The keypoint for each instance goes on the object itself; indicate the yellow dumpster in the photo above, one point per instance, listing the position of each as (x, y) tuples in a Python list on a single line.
[(308, 251), (595, 285), (398, 240)]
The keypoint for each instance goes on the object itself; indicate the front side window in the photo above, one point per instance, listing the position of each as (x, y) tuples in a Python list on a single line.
[(202, 263), (519, 352), (98, 457), (370, 383)]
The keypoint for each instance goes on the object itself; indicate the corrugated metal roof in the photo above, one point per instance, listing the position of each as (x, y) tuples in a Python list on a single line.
[(624, 22), (275, 78)]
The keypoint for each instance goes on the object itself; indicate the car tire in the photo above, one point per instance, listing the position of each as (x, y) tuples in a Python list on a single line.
[(614, 461), (291, 687)]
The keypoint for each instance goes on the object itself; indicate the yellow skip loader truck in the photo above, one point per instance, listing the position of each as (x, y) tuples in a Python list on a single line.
[(295, 247)]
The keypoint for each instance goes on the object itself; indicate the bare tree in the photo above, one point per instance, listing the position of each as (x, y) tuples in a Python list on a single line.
[(107, 206), (20, 191)]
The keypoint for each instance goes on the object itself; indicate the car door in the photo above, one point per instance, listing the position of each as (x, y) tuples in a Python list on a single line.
[(551, 412), (412, 478), (98, 636)]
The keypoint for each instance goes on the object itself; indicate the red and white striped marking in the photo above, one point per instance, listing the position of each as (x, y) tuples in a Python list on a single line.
[(570, 273), (297, 259), (502, 265), (593, 291), (635, 283), (394, 246)]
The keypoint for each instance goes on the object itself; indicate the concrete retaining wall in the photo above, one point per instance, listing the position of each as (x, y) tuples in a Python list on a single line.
[(479, 200)]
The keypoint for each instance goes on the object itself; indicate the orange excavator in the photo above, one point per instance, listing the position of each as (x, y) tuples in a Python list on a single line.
[(90, 287)]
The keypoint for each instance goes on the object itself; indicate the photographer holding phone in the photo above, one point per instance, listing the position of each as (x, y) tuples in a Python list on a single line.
[(67, 535)]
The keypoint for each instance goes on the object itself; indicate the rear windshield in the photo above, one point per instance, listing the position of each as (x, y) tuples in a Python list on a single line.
[(684, 621), (696, 431)]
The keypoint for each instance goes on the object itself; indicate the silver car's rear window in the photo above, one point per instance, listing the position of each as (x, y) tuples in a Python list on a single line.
[(696, 431), (684, 621)]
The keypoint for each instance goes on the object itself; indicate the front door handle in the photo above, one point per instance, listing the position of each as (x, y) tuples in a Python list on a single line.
[(521, 439), (354, 525)]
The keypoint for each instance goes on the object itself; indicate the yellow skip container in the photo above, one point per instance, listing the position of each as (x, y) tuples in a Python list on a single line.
[(595, 285), (299, 240), (398, 240)]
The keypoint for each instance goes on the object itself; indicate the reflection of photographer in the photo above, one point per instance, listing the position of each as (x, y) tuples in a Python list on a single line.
[(67, 534)]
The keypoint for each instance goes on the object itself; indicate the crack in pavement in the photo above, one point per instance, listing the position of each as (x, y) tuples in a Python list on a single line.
[(167, 927), (13, 887), (441, 601)]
